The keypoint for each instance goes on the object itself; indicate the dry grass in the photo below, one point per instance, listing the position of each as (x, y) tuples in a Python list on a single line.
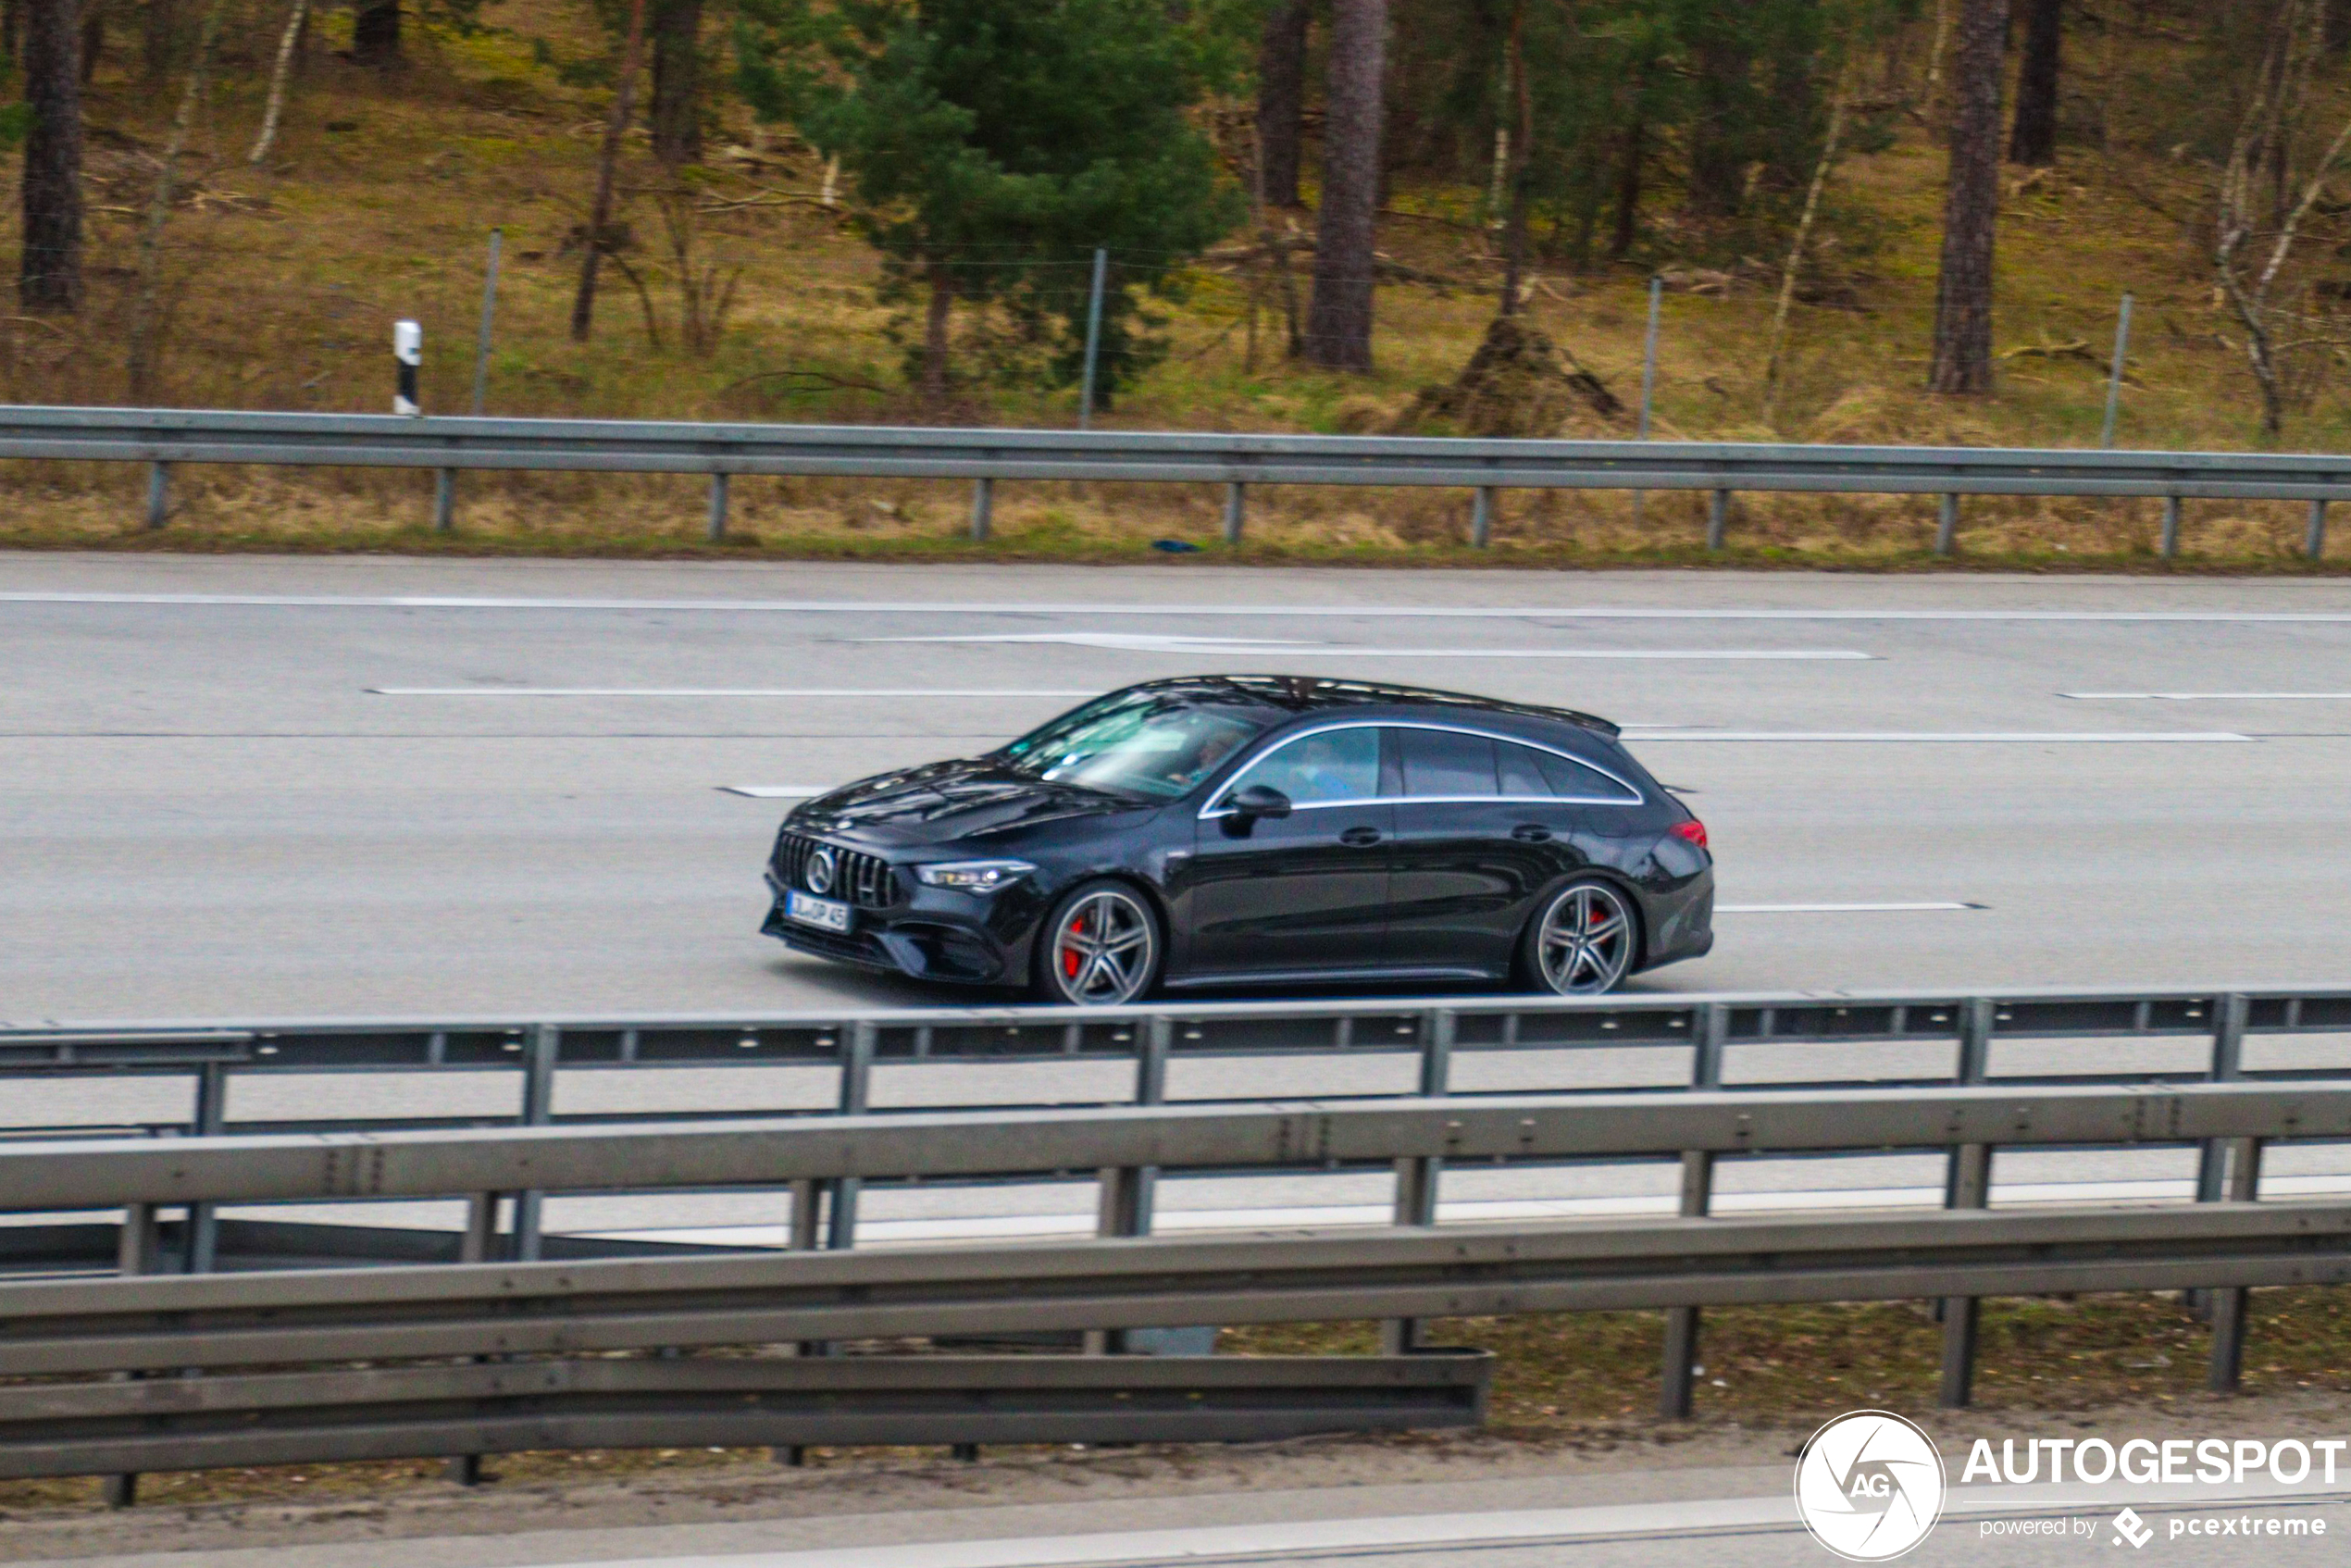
[(283, 284)]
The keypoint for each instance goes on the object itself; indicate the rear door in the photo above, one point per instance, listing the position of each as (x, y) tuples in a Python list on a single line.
[(1481, 829), (1305, 894)]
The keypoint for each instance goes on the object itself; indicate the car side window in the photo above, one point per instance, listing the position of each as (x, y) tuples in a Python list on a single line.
[(1319, 769), (1445, 763), (1528, 772)]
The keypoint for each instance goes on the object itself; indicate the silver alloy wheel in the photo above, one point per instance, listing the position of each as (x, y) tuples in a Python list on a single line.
[(1103, 948), (1585, 943)]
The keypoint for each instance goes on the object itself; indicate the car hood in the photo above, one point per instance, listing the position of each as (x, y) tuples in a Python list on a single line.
[(941, 801)]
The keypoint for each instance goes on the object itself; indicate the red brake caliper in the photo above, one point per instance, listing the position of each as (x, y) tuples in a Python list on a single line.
[(1071, 959)]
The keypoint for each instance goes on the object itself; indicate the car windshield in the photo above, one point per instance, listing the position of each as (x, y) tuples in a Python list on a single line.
[(1155, 744)]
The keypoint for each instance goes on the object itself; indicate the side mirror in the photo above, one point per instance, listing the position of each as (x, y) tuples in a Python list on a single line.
[(1260, 800)]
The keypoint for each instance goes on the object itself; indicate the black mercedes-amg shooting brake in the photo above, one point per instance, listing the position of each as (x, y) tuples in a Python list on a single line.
[(1257, 830)]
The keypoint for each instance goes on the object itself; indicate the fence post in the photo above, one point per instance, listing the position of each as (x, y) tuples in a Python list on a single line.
[(445, 489), (158, 494), (1236, 510), (717, 508), (2229, 1302), (1416, 1175), (1967, 1186), (983, 508), (2314, 543), (1946, 523), (1648, 378), (1697, 1198), (2114, 370), (1718, 517), (538, 1110), (1093, 338), (2170, 527), (1482, 516)]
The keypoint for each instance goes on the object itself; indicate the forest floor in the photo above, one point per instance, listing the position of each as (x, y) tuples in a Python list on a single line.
[(282, 281)]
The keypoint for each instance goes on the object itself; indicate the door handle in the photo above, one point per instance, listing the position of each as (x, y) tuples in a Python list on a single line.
[(1531, 833), (1360, 836)]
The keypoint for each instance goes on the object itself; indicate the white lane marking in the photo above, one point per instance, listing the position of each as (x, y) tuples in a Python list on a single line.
[(723, 691), (1050, 607), (1148, 643), (1838, 908), (2208, 696), (1988, 737), (775, 792)]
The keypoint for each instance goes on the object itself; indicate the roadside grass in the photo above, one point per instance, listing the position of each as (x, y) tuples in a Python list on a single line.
[(282, 283), (1575, 1377)]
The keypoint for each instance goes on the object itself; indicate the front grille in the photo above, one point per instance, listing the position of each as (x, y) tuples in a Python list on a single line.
[(865, 881)]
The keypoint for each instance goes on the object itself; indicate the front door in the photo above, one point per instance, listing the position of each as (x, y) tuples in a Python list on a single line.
[(1297, 896)]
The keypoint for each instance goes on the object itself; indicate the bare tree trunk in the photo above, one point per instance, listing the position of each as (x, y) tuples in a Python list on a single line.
[(49, 271), (1281, 100), (1628, 186), (677, 107), (11, 28), (1338, 317), (93, 39), (624, 104), (2032, 138), (279, 75), (147, 311), (1521, 153), (158, 44), (375, 34), (1963, 362), (935, 322), (1719, 125), (1803, 234)]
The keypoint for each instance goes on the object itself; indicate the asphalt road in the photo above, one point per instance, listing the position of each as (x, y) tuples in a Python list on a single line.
[(211, 806)]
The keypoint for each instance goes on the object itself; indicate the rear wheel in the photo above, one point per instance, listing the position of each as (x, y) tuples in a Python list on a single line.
[(1583, 942), (1100, 946)]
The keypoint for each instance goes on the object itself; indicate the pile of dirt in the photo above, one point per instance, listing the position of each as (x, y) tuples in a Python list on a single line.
[(1517, 383)]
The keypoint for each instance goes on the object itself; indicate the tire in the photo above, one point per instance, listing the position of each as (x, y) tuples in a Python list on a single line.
[(1102, 944), (1583, 939)]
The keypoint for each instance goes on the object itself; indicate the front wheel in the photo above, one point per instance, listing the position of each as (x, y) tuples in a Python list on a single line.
[(1100, 947), (1584, 940)]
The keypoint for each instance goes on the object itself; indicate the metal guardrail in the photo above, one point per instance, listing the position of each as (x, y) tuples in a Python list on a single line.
[(1106, 1288), (790, 1402), (162, 436)]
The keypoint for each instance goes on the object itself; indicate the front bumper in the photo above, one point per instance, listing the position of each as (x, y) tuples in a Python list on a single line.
[(944, 937)]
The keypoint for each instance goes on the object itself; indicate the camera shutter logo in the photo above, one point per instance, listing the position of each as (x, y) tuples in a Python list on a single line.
[(1869, 1485), (820, 871)]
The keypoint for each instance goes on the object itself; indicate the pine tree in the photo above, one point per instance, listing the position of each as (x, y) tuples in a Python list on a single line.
[(1962, 361), (1338, 317), (49, 270)]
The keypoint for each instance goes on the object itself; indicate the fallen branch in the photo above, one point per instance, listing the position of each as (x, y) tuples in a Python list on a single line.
[(827, 377)]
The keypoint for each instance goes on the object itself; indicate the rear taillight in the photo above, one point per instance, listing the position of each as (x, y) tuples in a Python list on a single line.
[(1694, 830)]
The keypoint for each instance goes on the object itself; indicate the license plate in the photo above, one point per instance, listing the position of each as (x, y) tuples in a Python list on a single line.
[(823, 912)]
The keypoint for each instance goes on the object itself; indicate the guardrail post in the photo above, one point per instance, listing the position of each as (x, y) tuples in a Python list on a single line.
[(135, 1251), (2170, 527), (445, 500), (203, 1222), (538, 1110), (2229, 1013), (1697, 1197), (717, 530), (1236, 510), (158, 494), (856, 1087), (1946, 523), (1482, 516), (2314, 543), (1416, 1175), (478, 1244), (1124, 1207), (1968, 1184), (1718, 517), (983, 508), (2229, 1302)]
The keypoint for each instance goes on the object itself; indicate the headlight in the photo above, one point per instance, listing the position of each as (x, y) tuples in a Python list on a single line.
[(973, 875)]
